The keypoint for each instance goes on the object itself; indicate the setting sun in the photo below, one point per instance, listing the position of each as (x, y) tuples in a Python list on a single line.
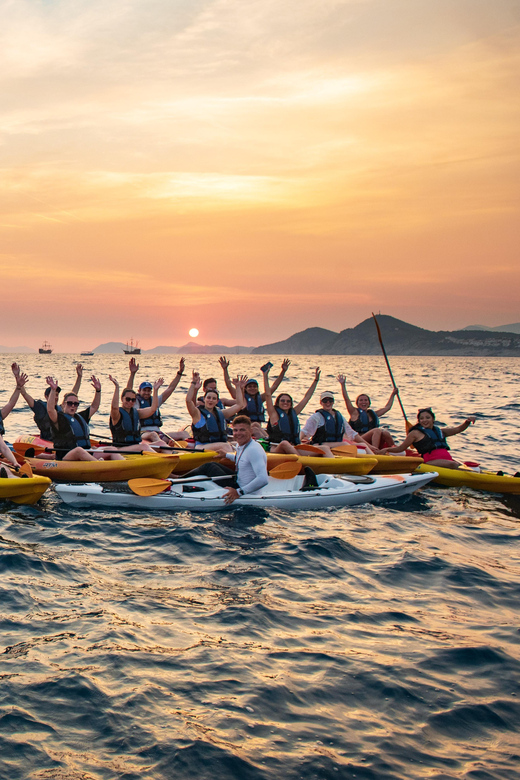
[(194, 333)]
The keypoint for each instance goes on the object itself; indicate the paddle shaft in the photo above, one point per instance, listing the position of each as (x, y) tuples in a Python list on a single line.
[(388, 366)]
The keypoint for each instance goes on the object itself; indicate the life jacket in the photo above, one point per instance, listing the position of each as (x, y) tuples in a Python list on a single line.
[(214, 428), (433, 440), (2, 427), (155, 419), (78, 434), (287, 429), (365, 422), (333, 429), (254, 408), (128, 428)]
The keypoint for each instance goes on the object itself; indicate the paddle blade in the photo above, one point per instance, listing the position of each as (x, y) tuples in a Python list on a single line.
[(349, 450), (310, 448), (286, 470), (148, 487), (25, 469)]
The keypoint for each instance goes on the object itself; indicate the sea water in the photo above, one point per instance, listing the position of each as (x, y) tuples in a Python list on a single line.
[(374, 642)]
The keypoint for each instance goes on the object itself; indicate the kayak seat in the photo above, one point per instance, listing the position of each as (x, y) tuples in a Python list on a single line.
[(309, 479)]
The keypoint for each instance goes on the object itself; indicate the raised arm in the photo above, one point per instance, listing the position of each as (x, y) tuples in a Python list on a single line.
[(134, 368), (389, 403), (115, 414), (96, 384), (268, 398), (354, 414), (239, 382), (15, 368), (149, 410), (191, 397), (308, 395), (79, 377), (21, 380), (452, 431), (51, 400), (224, 364), (278, 381), (173, 384)]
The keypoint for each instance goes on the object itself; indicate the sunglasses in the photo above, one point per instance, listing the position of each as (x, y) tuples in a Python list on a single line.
[(72, 403), (327, 400), (130, 400)]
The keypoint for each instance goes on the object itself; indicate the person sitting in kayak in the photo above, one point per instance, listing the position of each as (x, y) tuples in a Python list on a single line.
[(9, 461), (125, 420), (211, 384), (209, 424), (327, 428), (71, 432), (254, 400), (21, 381), (430, 441), (39, 408), (283, 427), (250, 464), (364, 420), (151, 426)]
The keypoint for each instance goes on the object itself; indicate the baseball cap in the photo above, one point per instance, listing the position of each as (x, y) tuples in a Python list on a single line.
[(48, 391), (145, 384), (326, 394)]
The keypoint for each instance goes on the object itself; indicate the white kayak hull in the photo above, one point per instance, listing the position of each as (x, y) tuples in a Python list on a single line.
[(203, 495)]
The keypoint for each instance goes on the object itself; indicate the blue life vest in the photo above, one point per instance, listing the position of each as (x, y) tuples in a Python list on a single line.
[(333, 429), (155, 419), (365, 422), (287, 428), (433, 440), (78, 434), (214, 428), (128, 428), (254, 408)]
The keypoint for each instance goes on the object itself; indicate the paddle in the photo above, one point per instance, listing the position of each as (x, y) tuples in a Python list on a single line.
[(151, 487), (347, 450), (25, 468), (309, 448), (286, 470), (407, 424)]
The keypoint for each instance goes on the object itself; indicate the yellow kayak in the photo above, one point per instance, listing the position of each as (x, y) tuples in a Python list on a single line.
[(396, 464), (486, 480), (156, 466), (24, 491), (320, 465)]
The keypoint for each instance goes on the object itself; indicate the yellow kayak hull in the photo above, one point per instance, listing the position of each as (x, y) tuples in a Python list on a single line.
[(80, 471), (354, 465), (24, 491), (395, 464), (486, 480)]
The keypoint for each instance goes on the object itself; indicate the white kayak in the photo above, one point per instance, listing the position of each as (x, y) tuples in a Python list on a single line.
[(201, 494)]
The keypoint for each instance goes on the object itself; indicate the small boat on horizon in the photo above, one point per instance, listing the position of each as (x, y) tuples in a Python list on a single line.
[(84, 354), (45, 349), (132, 348)]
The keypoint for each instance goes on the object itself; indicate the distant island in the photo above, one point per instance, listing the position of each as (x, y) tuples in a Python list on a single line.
[(400, 338)]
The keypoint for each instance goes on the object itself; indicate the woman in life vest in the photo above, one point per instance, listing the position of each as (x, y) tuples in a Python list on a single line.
[(327, 428), (430, 441), (71, 431), (365, 420), (209, 423), (125, 420), (283, 426)]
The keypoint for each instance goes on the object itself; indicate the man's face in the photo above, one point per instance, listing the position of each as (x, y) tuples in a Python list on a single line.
[(145, 392), (242, 433)]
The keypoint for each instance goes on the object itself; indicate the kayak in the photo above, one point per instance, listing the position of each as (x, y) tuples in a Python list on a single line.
[(199, 494), (396, 464), (322, 465), (484, 480), (102, 470), (24, 491)]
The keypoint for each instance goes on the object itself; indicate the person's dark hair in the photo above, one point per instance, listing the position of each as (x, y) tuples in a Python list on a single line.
[(128, 390), (211, 391), (277, 402), (241, 419), (48, 391), (208, 382), (359, 396), (426, 409)]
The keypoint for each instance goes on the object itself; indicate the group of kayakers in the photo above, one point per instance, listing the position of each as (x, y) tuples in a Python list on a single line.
[(136, 423)]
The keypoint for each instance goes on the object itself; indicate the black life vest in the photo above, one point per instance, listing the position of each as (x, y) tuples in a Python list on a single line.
[(433, 440), (287, 428), (254, 408), (155, 419), (214, 428), (333, 429), (128, 428), (77, 435), (365, 422)]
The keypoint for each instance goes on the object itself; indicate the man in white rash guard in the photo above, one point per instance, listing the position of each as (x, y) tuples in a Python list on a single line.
[(250, 461)]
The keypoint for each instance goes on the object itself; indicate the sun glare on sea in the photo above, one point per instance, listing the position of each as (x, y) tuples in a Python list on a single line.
[(194, 333)]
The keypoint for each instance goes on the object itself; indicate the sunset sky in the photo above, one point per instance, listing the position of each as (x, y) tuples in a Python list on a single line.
[(254, 168)]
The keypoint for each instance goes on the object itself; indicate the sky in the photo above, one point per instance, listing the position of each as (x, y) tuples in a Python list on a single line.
[(252, 168)]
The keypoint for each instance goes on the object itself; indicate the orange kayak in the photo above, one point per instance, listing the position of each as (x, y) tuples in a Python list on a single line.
[(158, 466)]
